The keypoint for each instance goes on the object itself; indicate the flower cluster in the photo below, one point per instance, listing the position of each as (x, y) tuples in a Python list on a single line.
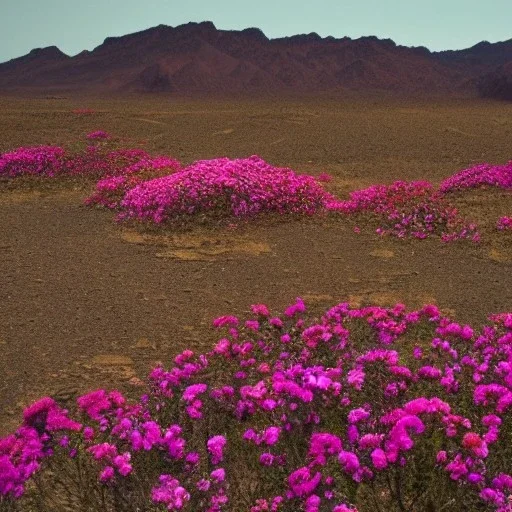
[(410, 209), (224, 187), (157, 189), (110, 191), (323, 177), (367, 405), (22, 453), (478, 176), (504, 224), (35, 161), (99, 161), (94, 160), (98, 135)]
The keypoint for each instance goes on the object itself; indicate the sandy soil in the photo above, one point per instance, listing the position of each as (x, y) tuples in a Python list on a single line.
[(85, 302)]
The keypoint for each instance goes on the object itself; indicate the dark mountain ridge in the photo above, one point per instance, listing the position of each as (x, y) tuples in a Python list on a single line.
[(199, 58)]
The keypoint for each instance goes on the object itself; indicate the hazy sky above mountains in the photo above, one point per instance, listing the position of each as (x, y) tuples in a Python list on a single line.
[(74, 25)]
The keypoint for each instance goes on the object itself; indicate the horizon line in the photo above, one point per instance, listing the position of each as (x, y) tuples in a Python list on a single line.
[(208, 22)]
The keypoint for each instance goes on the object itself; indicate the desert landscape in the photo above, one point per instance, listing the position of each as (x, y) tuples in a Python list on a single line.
[(98, 290)]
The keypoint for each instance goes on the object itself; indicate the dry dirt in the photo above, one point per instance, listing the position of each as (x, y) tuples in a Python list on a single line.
[(85, 302)]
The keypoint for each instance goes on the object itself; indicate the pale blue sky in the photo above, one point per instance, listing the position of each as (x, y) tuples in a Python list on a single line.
[(74, 25)]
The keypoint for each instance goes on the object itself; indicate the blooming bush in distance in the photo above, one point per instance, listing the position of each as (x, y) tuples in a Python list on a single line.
[(110, 191), (504, 224), (98, 135), (370, 408), (478, 176), (224, 187), (95, 160), (157, 189), (33, 161), (99, 161), (412, 209), (323, 177)]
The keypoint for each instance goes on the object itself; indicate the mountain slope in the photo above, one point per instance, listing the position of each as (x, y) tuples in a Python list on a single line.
[(497, 84), (199, 58)]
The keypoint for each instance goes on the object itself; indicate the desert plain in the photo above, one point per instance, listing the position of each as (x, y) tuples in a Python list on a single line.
[(88, 302)]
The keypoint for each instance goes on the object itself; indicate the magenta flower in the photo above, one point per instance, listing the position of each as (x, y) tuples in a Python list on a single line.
[(215, 447), (357, 415), (260, 309), (218, 475), (322, 446), (98, 135), (270, 435), (170, 493), (349, 461), (302, 482), (46, 415), (504, 224), (473, 442), (379, 459)]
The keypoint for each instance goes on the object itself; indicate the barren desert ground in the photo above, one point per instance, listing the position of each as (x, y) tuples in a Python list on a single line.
[(87, 302)]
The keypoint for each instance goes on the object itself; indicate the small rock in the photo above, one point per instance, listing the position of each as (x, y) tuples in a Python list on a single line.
[(382, 253), (144, 343), (135, 381)]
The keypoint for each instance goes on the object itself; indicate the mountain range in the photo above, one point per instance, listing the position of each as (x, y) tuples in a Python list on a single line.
[(199, 59)]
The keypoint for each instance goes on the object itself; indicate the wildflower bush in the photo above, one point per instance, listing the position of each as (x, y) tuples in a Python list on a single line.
[(324, 177), (156, 189), (409, 209), (504, 224), (369, 409), (489, 175), (96, 159), (110, 191), (45, 161), (223, 187), (98, 135)]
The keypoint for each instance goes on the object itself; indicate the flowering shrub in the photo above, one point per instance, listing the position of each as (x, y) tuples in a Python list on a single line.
[(224, 187), (323, 177), (156, 189), (480, 175), (97, 161), (111, 190), (380, 408), (98, 135), (37, 161), (504, 224), (94, 160), (409, 209)]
